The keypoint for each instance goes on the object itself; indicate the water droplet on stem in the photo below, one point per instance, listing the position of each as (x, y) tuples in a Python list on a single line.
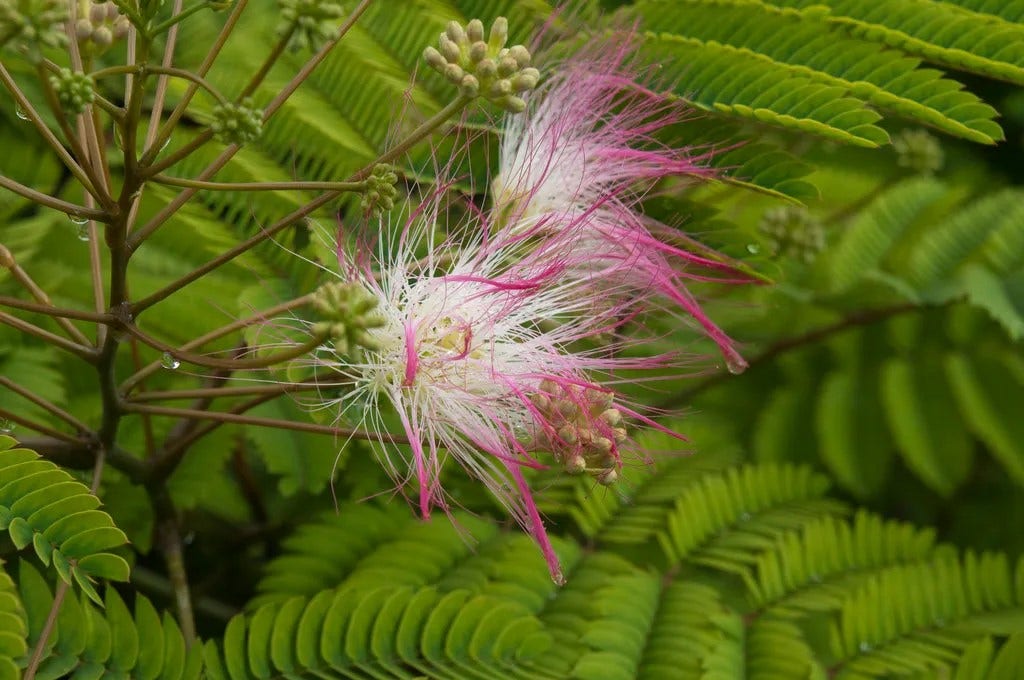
[(20, 112), (169, 362), (6, 426)]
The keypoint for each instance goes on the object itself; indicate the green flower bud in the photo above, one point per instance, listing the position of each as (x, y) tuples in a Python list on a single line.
[(793, 232), (381, 191), (918, 151), (311, 23), (480, 68), (74, 90), (348, 313), (475, 30), (237, 123), (32, 25)]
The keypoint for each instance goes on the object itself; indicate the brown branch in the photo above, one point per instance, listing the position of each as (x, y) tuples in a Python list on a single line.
[(86, 353), (46, 405)]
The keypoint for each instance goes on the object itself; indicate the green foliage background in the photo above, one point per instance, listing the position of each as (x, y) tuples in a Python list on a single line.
[(849, 507)]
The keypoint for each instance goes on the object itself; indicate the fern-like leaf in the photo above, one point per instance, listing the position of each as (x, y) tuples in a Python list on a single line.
[(802, 43), (43, 506), (108, 642)]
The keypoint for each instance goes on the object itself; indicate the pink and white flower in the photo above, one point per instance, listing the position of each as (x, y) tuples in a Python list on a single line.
[(468, 357), (580, 158)]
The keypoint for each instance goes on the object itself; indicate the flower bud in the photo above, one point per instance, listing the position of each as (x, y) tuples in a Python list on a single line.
[(475, 30), (477, 52), (434, 58), (237, 123), (499, 34), (449, 49), (520, 54), (470, 86), (607, 477), (455, 33)]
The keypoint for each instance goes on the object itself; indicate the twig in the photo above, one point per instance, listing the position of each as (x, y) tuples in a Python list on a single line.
[(46, 405), (861, 318), (50, 202), (160, 218), (21, 276), (29, 111), (226, 417), (87, 353), (38, 427), (128, 385), (169, 540), (230, 364), (275, 389), (43, 307), (258, 186)]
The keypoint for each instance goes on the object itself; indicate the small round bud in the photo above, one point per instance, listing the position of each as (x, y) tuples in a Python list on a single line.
[(310, 23), (499, 33), (487, 69), (499, 88), (608, 477), (470, 86), (98, 12), (612, 416), (507, 66), (83, 29), (620, 435), (475, 30), (449, 49), (102, 36), (434, 58), (454, 73), (237, 123), (454, 32), (520, 54), (477, 52), (575, 465)]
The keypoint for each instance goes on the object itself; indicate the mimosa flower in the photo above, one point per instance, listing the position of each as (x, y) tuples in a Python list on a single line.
[(580, 158), (464, 350)]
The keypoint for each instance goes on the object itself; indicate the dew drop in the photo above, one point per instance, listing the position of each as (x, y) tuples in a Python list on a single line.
[(6, 426), (83, 232), (865, 647), (169, 362), (78, 219), (20, 112), (753, 248), (734, 363)]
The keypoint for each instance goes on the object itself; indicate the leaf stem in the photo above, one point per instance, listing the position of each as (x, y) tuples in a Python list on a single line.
[(21, 276), (164, 133), (275, 389), (255, 421), (181, 199), (88, 353), (217, 333), (51, 201), (44, 636), (29, 111), (39, 427), (44, 307), (48, 406), (258, 186), (227, 364)]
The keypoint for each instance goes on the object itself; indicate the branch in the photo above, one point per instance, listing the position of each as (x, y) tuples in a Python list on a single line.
[(259, 317), (25, 106), (275, 389), (55, 312), (40, 428), (229, 364), (87, 353), (227, 417), (160, 218), (46, 405), (72, 209), (7, 260), (861, 318), (258, 186)]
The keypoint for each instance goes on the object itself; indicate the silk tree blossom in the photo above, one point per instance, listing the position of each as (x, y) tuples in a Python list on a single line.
[(465, 352), (580, 157)]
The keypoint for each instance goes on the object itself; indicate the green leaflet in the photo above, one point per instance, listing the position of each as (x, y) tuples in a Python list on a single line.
[(42, 505), (111, 641), (803, 43)]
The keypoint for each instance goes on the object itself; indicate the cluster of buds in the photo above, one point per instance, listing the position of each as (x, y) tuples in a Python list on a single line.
[(381, 191), (31, 25), (237, 123), (793, 232), (918, 151), (74, 90), (99, 25), (349, 312), (582, 429), (484, 68), (311, 23)]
